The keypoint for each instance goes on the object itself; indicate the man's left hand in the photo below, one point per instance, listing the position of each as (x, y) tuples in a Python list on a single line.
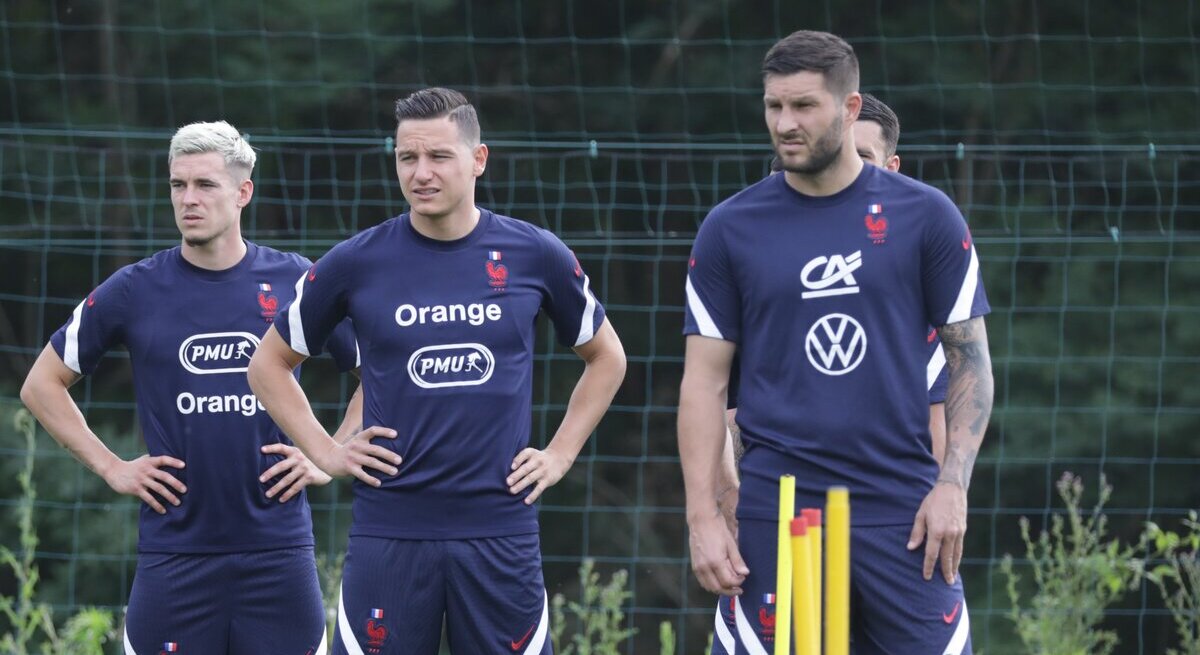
[(540, 468), (941, 523), (297, 471)]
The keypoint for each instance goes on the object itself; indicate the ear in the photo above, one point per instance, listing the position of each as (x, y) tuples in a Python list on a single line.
[(480, 154), (851, 106), (893, 163), (245, 192)]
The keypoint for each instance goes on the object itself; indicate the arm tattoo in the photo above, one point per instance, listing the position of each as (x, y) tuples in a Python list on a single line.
[(969, 397), (738, 447)]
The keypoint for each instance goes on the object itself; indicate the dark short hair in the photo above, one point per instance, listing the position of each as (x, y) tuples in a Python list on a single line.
[(436, 102), (874, 110), (817, 52)]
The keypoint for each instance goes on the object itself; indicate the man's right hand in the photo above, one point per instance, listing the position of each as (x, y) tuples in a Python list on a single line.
[(715, 558), (356, 454), (145, 478)]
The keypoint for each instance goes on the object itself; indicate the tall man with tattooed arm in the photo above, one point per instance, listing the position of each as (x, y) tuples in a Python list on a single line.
[(824, 280)]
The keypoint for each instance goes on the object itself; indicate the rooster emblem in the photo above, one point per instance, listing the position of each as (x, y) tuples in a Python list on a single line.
[(268, 304), (376, 633), (497, 275), (876, 228)]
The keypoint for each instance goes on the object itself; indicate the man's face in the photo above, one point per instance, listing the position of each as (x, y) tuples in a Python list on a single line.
[(436, 167), (208, 197), (805, 121), (868, 139)]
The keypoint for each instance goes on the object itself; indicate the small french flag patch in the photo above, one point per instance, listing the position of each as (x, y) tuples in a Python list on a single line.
[(875, 209), (171, 646), (494, 255), (376, 613), (768, 599), (264, 286)]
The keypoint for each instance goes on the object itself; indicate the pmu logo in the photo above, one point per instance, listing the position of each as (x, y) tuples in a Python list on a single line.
[(217, 352), (836, 277), (836, 344), (451, 365)]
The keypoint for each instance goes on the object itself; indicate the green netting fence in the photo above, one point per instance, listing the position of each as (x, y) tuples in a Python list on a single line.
[(1069, 135)]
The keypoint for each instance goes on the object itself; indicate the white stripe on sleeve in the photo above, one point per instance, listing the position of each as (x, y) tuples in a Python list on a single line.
[(295, 324), (937, 361), (700, 313), (586, 330), (966, 294), (71, 345)]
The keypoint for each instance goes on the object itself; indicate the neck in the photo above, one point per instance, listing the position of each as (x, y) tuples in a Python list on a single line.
[(450, 227), (216, 255), (839, 175)]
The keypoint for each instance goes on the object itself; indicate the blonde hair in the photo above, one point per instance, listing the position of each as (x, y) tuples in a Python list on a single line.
[(219, 137)]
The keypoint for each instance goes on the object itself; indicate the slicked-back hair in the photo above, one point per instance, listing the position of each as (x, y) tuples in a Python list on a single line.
[(219, 137), (815, 52), (874, 110), (437, 102)]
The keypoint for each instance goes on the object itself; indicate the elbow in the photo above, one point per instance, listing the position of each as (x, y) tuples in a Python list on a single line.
[(619, 365), (254, 375), (29, 392), (35, 387)]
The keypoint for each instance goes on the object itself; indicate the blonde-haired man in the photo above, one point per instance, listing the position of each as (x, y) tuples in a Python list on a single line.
[(225, 546)]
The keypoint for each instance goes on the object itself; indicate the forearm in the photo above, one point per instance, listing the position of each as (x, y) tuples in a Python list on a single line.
[(968, 399), (731, 454), (705, 453), (591, 398), (54, 408), (272, 382), (352, 422)]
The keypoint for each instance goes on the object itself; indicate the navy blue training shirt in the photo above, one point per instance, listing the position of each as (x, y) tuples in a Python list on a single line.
[(829, 300), (446, 330), (190, 333)]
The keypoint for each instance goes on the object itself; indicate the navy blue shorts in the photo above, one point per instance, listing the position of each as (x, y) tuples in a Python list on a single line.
[(258, 602), (397, 592), (893, 610)]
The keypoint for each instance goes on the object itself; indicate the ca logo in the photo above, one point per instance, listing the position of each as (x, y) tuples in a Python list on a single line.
[(836, 270), (836, 344)]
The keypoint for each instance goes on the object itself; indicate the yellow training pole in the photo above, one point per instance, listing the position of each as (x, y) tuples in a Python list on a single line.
[(783, 566), (837, 572), (808, 633), (812, 517)]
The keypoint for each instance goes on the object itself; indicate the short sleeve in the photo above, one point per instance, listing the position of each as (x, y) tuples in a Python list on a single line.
[(569, 301), (320, 304), (96, 325), (343, 346), (937, 376), (713, 307), (950, 275)]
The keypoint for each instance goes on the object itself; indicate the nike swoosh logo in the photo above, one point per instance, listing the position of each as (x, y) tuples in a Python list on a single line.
[(949, 618), (516, 645)]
